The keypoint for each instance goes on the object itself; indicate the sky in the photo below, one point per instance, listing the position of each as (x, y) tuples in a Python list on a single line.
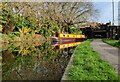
[(105, 9)]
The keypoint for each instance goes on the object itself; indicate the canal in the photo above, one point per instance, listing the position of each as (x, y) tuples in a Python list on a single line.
[(34, 61)]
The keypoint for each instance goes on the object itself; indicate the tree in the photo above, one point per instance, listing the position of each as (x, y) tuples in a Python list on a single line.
[(69, 13), (7, 19), (64, 14)]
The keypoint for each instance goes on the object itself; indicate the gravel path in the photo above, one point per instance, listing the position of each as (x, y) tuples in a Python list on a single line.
[(107, 52)]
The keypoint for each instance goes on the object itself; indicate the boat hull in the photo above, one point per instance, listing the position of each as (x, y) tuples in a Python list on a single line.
[(67, 40)]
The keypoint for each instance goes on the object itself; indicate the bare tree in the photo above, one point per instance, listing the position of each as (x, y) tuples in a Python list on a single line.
[(69, 13)]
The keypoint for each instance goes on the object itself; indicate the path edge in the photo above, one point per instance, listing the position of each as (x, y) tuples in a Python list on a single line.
[(68, 66)]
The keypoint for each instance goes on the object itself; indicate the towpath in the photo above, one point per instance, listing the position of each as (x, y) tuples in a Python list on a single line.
[(107, 52)]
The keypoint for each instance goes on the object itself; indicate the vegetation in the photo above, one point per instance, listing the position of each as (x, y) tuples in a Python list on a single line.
[(44, 18), (112, 42), (30, 22), (26, 61), (88, 65)]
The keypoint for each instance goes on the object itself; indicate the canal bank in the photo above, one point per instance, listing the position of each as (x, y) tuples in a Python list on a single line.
[(22, 61), (86, 64), (64, 77)]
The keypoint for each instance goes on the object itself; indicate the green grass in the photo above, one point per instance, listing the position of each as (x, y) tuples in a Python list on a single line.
[(88, 65), (111, 42)]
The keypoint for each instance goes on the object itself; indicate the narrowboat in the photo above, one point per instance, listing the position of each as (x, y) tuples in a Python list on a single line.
[(62, 37), (62, 40)]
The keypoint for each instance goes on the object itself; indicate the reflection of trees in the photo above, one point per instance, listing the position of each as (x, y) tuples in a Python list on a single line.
[(15, 52), (42, 62)]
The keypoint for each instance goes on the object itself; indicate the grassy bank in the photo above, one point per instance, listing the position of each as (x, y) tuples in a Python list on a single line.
[(88, 65), (111, 42)]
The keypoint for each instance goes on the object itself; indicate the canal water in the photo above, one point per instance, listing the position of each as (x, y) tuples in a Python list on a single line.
[(23, 61)]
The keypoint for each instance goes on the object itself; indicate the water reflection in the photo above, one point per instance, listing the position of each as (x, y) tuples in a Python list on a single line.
[(33, 61)]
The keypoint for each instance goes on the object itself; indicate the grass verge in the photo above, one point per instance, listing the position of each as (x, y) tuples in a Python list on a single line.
[(111, 42), (88, 65)]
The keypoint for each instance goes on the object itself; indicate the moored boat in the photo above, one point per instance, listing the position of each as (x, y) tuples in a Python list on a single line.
[(62, 37), (67, 40)]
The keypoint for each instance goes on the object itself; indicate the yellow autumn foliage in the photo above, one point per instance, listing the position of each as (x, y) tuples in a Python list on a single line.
[(1, 28), (26, 30), (25, 52)]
